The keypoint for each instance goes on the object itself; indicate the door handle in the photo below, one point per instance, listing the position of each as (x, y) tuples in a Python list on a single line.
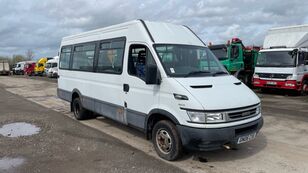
[(125, 87)]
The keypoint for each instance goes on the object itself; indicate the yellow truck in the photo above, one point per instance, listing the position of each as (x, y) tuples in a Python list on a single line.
[(40, 66)]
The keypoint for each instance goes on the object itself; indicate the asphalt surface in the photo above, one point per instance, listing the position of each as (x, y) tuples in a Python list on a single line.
[(64, 145), (281, 146)]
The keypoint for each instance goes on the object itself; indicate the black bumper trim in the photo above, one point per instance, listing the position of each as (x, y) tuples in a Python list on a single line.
[(214, 138)]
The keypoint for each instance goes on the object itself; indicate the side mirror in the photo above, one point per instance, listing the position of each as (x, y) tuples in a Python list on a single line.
[(151, 75)]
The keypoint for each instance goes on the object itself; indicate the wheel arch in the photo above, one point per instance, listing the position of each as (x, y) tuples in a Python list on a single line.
[(156, 115), (75, 93)]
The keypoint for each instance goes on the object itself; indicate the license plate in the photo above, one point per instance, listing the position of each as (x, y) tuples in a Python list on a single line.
[(271, 83), (246, 138)]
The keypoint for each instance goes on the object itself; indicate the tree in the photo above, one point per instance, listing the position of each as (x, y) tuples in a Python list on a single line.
[(18, 58), (29, 55)]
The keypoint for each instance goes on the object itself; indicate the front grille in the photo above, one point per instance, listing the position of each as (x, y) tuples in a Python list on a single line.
[(273, 75), (241, 113)]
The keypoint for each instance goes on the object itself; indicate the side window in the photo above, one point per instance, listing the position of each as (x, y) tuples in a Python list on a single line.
[(306, 58), (139, 57), (234, 52), (65, 57), (301, 58), (83, 57), (110, 58)]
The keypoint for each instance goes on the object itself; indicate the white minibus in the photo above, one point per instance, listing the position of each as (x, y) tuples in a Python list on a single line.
[(161, 79)]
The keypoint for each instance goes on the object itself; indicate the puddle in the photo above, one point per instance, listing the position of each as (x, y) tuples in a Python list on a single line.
[(19, 129), (7, 163)]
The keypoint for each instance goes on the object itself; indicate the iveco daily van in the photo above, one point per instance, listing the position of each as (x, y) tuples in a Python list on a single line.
[(159, 78)]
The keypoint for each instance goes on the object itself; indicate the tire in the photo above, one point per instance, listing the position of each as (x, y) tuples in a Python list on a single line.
[(166, 140), (79, 111), (303, 91)]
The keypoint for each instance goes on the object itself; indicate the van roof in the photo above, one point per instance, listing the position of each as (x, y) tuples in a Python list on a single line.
[(140, 31)]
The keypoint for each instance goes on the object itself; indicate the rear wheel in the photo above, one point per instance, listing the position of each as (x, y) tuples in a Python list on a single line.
[(166, 140), (79, 111)]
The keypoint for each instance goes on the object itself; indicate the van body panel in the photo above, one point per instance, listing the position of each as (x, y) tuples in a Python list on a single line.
[(169, 33), (223, 93)]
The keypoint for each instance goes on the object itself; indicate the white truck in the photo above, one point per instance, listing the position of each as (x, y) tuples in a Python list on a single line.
[(4, 67), (51, 68), (283, 61), (19, 68)]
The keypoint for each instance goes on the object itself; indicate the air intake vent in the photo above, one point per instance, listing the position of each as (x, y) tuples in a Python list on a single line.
[(202, 86)]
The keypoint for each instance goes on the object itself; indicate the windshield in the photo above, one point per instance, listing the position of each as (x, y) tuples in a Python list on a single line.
[(54, 65), (220, 53), (48, 65), (188, 61), (276, 59)]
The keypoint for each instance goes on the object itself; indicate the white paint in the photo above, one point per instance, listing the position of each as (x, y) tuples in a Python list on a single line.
[(7, 163), (19, 129)]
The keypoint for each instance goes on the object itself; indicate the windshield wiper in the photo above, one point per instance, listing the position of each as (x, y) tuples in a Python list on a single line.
[(219, 72), (196, 72)]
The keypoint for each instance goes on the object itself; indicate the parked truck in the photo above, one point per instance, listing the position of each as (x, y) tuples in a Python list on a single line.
[(4, 67), (29, 68), (237, 59), (19, 68), (40, 66), (283, 63), (51, 67)]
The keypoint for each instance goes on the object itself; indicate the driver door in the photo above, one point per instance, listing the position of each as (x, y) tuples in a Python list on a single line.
[(139, 97)]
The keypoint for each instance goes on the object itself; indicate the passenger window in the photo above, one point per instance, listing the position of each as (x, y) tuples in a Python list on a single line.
[(83, 57), (301, 58), (65, 57), (234, 52), (306, 58), (139, 57), (110, 58)]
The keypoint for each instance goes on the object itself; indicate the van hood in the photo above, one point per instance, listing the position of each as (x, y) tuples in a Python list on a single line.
[(219, 92)]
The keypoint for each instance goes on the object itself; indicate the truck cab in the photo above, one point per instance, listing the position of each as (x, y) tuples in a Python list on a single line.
[(283, 63), (51, 67), (19, 68), (237, 59), (282, 68), (40, 66), (29, 68)]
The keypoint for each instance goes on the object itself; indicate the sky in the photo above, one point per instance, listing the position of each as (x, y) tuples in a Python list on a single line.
[(39, 25)]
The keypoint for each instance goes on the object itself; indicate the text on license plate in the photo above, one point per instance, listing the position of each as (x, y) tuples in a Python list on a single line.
[(246, 138), (271, 83)]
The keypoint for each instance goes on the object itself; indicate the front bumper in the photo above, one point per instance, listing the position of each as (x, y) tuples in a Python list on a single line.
[(214, 138), (287, 84)]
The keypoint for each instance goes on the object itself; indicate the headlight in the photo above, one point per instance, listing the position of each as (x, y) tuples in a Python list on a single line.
[(256, 76), (196, 117), (214, 117), (289, 77), (201, 117), (258, 110)]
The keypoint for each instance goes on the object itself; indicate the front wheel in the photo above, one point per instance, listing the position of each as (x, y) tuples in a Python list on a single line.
[(166, 140)]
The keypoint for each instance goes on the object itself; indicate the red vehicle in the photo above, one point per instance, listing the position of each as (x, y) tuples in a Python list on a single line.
[(29, 68)]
